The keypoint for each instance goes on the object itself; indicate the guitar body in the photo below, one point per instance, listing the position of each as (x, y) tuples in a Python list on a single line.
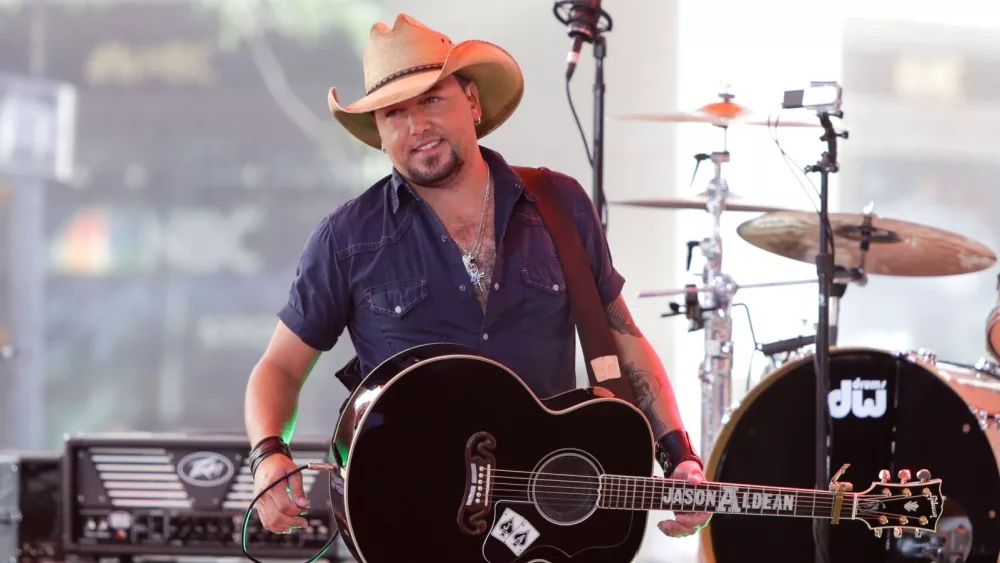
[(420, 430)]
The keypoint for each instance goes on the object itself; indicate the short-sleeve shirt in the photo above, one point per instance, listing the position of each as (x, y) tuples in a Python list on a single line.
[(383, 267)]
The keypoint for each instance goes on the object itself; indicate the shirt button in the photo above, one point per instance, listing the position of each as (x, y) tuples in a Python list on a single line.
[(398, 309), (486, 336), (444, 238), (496, 286), (461, 287), (555, 287)]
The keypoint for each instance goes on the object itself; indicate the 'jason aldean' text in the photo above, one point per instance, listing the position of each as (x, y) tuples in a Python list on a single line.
[(729, 500)]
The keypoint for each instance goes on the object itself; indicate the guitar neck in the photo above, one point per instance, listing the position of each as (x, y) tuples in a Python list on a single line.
[(651, 493)]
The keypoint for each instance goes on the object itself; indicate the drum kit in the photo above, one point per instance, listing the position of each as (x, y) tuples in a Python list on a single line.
[(888, 410)]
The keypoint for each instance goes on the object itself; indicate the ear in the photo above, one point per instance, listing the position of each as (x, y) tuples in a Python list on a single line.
[(472, 93)]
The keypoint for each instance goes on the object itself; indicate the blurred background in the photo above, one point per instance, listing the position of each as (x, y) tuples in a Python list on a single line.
[(162, 162)]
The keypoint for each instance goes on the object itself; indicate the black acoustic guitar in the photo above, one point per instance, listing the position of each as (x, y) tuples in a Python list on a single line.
[(443, 455)]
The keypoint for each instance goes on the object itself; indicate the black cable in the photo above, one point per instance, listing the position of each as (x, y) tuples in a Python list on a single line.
[(796, 171), (246, 519), (753, 336), (586, 144)]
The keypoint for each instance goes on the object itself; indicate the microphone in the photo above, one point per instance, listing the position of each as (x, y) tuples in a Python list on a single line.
[(786, 345), (582, 21)]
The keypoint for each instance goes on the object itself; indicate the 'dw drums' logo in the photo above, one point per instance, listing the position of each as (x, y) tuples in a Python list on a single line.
[(850, 398), (205, 469)]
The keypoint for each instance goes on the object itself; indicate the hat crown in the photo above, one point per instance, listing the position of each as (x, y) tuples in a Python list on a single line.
[(409, 46)]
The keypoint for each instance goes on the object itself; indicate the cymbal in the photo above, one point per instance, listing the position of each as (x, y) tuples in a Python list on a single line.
[(722, 114), (699, 202), (897, 248)]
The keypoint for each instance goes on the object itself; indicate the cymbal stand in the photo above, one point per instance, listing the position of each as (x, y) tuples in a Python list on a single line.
[(713, 314)]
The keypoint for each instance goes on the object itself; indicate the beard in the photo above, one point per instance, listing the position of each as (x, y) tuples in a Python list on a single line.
[(436, 169)]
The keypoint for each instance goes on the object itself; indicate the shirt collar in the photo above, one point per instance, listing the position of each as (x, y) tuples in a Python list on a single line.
[(504, 180)]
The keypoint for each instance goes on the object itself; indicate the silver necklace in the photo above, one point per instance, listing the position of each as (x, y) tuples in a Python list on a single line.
[(469, 256)]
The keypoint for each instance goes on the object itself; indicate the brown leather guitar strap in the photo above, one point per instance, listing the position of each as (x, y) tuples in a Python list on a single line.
[(599, 348)]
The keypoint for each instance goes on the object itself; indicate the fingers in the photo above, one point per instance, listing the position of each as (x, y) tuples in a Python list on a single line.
[(281, 497), (686, 524), (693, 520), (675, 529), (273, 513), (298, 493)]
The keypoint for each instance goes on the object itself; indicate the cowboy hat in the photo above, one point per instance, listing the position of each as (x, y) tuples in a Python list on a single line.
[(409, 59)]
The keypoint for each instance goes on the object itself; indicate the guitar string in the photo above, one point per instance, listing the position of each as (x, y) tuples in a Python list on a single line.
[(501, 476), (652, 503), (655, 498), (553, 484), (517, 472), (814, 499), (650, 483)]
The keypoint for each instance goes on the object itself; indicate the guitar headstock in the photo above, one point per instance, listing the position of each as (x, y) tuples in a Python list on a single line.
[(914, 505)]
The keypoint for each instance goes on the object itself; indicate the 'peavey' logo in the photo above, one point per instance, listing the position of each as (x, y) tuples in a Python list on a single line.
[(205, 469)]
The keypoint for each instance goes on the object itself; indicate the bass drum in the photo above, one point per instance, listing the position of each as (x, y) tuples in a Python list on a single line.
[(915, 413)]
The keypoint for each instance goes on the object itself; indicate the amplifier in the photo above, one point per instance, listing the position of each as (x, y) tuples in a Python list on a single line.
[(180, 495), (30, 506)]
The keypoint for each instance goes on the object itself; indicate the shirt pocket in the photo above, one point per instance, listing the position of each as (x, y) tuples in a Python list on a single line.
[(545, 304), (405, 312)]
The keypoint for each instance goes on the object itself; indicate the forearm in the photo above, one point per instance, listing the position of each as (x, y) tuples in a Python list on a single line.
[(645, 372), (271, 403), (653, 393)]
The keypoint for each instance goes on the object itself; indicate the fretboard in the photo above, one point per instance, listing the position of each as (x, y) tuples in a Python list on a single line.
[(650, 493)]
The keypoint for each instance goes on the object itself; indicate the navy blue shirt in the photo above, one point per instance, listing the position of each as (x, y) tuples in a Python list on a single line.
[(383, 267)]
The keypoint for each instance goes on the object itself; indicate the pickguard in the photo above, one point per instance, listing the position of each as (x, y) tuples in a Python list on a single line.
[(518, 531), (515, 530)]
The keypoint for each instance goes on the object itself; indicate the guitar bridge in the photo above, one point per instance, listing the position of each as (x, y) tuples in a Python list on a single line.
[(480, 462)]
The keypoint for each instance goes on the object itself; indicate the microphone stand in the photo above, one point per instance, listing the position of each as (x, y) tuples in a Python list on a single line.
[(600, 48), (585, 18), (824, 270)]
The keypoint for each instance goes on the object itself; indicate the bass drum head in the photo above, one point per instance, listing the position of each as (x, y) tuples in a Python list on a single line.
[(911, 418)]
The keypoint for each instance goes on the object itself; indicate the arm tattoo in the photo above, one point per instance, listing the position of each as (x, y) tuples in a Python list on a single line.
[(620, 318), (646, 388)]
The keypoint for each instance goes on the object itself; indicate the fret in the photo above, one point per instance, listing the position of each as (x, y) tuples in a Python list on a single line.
[(645, 493)]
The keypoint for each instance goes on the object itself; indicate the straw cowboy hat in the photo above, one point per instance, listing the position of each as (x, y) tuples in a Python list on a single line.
[(407, 60)]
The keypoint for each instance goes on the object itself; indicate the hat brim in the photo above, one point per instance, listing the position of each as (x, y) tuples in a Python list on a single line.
[(495, 72)]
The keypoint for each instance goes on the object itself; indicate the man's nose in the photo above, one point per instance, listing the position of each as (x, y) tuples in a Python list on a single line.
[(417, 123)]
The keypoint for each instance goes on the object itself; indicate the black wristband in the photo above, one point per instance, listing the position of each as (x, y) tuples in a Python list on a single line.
[(266, 448), (674, 448)]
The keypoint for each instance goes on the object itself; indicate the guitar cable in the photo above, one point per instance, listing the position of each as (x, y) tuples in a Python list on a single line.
[(246, 517)]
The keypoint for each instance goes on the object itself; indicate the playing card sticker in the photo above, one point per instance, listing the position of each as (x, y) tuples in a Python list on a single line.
[(514, 531)]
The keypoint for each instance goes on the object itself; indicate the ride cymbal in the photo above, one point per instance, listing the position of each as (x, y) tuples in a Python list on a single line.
[(896, 248), (699, 201), (722, 114)]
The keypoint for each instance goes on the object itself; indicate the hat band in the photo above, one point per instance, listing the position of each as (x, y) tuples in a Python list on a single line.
[(401, 74)]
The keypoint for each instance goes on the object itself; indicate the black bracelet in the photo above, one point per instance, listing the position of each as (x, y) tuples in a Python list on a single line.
[(265, 448), (674, 448)]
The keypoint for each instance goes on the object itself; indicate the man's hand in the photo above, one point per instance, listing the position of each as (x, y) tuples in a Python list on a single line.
[(281, 508), (687, 523)]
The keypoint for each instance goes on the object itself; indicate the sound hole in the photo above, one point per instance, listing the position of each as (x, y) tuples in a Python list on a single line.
[(564, 488)]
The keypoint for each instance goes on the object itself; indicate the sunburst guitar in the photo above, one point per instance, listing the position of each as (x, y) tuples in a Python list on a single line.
[(444, 455)]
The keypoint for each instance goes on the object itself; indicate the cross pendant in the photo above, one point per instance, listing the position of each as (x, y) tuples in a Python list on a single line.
[(472, 268)]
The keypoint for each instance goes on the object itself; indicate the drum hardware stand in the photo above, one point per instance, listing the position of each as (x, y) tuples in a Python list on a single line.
[(824, 270), (709, 309)]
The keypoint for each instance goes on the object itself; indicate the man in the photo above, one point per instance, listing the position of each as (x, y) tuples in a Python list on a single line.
[(449, 247)]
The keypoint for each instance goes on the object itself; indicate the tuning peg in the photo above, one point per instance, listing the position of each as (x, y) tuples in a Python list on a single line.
[(884, 476), (918, 534), (904, 475), (923, 475), (897, 532), (878, 533)]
